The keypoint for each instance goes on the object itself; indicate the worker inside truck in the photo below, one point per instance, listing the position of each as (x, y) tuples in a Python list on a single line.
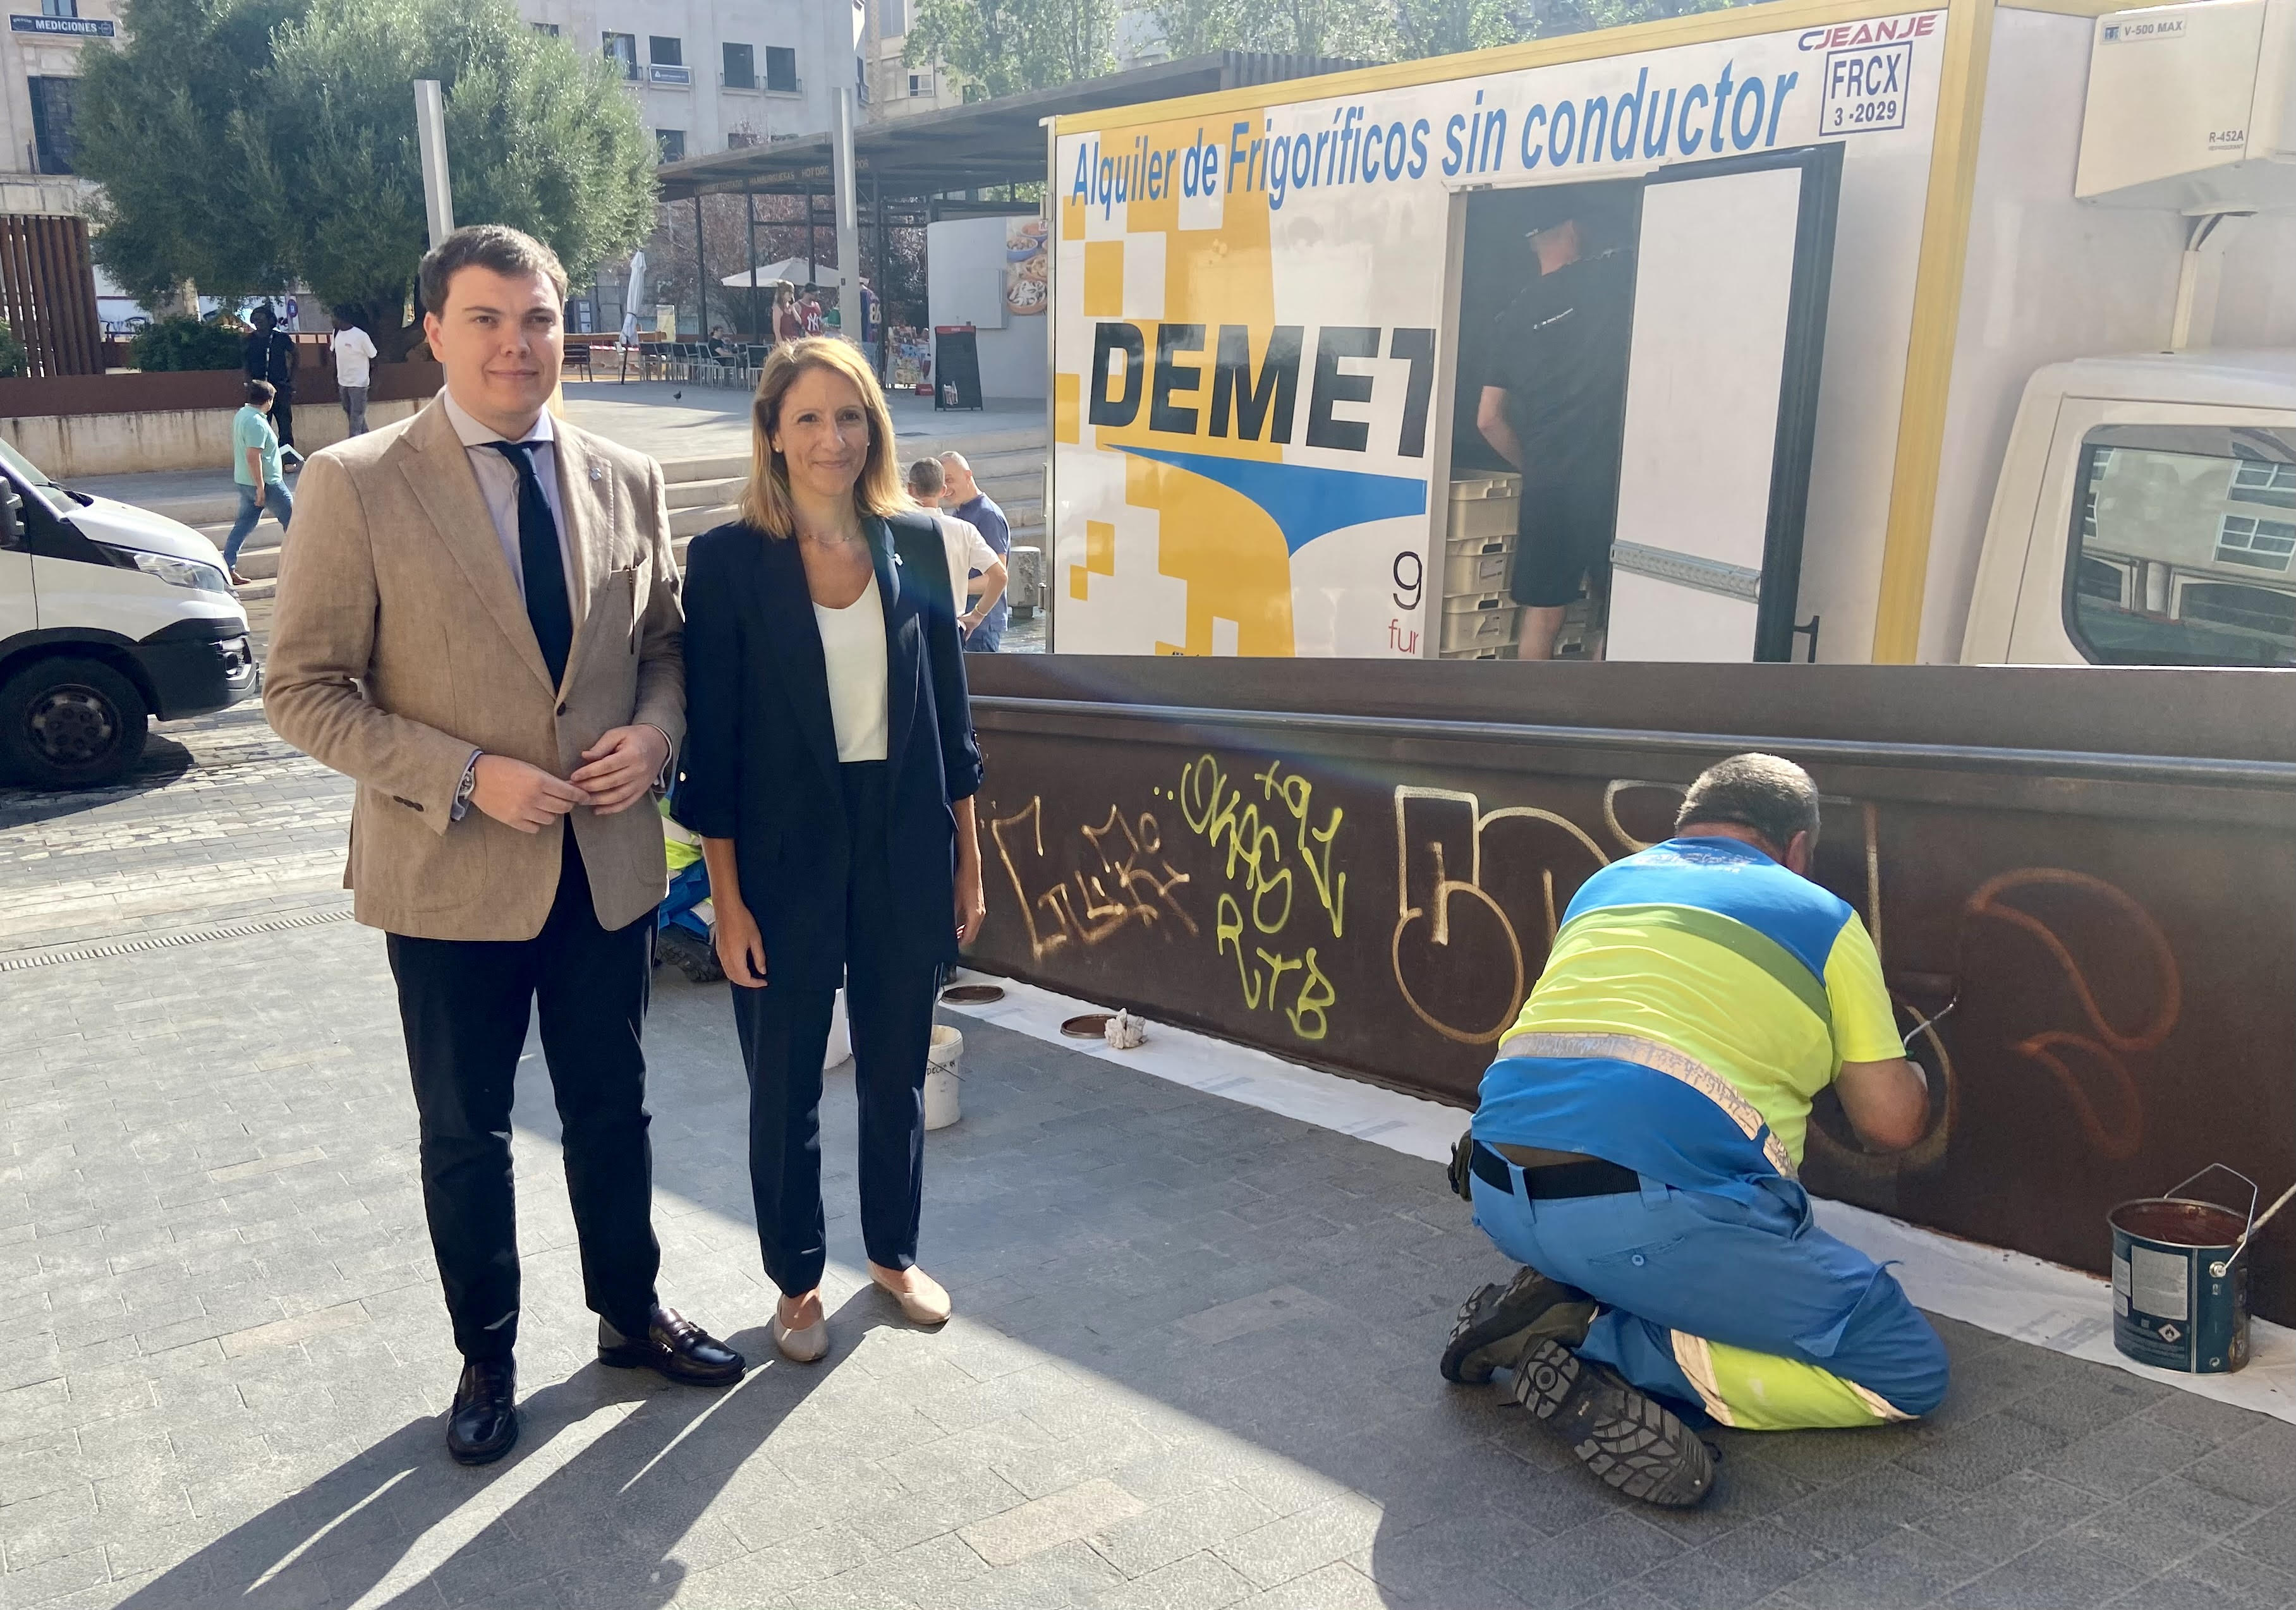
[(1636, 1145), (1553, 402)]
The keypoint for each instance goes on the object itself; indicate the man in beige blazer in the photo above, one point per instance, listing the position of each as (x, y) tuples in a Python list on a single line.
[(479, 622)]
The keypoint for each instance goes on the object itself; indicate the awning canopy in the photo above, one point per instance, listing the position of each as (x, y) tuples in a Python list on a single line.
[(999, 141), (795, 271)]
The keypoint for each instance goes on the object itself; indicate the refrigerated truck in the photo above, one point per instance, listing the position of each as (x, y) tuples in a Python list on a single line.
[(1959, 334)]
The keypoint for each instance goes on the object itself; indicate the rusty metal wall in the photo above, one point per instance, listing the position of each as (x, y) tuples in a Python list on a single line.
[(47, 293), (2097, 862)]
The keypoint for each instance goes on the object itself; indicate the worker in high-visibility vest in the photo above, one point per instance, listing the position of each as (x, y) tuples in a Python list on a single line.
[(1637, 1142)]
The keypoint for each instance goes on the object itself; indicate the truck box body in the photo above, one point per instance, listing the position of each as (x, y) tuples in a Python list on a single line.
[(1276, 311)]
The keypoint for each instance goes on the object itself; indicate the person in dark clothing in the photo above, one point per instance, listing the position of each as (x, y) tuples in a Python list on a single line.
[(271, 356), (1552, 406)]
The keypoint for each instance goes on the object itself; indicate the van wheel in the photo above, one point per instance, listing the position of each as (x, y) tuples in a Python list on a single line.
[(71, 723)]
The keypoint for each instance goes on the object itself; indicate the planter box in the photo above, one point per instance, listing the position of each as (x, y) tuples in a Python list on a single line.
[(178, 390)]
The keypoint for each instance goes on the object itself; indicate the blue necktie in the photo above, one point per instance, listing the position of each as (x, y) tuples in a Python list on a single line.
[(544, 571)]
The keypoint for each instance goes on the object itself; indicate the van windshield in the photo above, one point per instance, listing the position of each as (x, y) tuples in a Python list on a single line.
[(24, 469), (2184, 549)]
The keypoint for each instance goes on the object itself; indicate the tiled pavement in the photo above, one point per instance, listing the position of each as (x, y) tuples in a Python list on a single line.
[(1193, 1365)]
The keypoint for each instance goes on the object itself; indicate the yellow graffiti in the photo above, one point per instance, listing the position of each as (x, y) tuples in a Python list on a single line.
[(1420, 899), (1125, 890), (1216, 810), (1331, 894)]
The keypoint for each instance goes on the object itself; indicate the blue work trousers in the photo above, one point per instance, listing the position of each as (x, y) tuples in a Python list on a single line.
[(1759, 1276)]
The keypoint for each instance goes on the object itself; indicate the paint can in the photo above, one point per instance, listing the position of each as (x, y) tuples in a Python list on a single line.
[(2179, 1280), (941, 1076)]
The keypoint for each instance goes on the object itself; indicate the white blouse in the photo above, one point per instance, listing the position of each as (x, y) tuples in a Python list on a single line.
[(853, 647)]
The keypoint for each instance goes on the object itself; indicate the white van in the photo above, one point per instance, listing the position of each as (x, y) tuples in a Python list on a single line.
[(110, 616)]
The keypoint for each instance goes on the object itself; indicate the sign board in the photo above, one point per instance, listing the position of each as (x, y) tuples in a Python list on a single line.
[(92, 27), (1276, 327)]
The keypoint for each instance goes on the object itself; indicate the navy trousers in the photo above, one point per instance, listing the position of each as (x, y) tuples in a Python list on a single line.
[(784, 1031)]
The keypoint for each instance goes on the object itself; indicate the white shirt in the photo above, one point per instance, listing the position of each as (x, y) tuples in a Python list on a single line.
[(968, 550), (853, 649), (354, 351), (498, 485)]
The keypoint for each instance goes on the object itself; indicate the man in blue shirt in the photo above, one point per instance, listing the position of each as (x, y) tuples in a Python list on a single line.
[(1637, 1144), (984, 630)]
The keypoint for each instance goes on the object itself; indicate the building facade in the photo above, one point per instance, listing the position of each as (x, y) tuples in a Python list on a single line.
[(45, 40), (713, 74), (897, 89)]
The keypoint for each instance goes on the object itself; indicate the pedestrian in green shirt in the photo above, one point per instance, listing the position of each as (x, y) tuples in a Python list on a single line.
[(255, 466)]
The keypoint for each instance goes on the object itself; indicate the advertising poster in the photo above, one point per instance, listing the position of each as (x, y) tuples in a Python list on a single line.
[(1285, 334), (1027, 294)]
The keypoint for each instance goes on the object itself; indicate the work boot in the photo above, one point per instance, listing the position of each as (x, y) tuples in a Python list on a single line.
[(1498, 1322), (1631, 1441)]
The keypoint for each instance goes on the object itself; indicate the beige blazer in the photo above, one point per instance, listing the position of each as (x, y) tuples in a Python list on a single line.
[(400, 643)]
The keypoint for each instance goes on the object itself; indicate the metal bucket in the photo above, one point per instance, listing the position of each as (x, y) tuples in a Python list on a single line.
[(2179, 1282)]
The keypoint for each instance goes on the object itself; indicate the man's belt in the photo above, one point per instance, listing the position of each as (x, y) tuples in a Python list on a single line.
[(1555, 1176)]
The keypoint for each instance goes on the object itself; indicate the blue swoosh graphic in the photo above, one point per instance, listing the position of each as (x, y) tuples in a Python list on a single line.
[(1304, 501)]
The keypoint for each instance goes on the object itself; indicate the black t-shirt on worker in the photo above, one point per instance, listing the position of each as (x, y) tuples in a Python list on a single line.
[(1560, 354)]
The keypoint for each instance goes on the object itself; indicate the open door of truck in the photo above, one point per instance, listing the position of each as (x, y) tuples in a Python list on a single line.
[(1733, 262)]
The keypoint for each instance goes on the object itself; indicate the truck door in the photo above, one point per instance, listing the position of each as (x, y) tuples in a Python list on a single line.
[(1734, 262)]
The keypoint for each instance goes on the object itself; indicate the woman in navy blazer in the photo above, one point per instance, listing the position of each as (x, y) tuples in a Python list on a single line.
[(829, 768)]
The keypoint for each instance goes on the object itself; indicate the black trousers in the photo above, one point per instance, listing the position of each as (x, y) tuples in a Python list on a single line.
[(283, 415), (465, 1005), (888, 1002)]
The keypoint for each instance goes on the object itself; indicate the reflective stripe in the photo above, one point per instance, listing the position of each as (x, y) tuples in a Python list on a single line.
[(1695, 1360), (1660, 1059), (1876, 1402)]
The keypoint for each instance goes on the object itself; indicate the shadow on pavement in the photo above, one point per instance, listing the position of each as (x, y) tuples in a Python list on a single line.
[(609, 1516)]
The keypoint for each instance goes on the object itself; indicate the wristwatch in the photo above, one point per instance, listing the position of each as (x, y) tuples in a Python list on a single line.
[(470, 786)]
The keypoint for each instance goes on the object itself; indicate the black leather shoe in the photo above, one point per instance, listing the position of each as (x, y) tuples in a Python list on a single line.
[(483, 1424), (674, 1345)]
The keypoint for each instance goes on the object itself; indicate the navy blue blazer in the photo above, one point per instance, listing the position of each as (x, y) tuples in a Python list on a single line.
[(761, 767)]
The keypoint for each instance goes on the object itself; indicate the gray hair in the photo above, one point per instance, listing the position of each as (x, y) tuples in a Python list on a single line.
[(1772, 797), (953, 457), (494, 247), (925, 475)]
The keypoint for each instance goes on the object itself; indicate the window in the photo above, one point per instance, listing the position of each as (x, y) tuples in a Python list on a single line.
[(550, 29), (670, 143), (740, 67), (781, 70), (2258, 611), (892, 18), (2256, 481), (860, 81), (51, 122), (60, 8), (921, 86), (2243, 539), (2101, 578), (664, 52), (623, 48), (2170, 547)]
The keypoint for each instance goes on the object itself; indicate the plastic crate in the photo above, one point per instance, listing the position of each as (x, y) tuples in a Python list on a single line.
[(1484, 506), (1477, 565), (1480, 621)]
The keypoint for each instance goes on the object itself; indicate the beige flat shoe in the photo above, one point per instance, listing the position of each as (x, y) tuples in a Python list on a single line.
[(806, 1344), (923, 1299)]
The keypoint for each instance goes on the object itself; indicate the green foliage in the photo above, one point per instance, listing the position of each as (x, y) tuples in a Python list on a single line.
[(12, 360), (1002, 47), (182, 343), (249, 145)]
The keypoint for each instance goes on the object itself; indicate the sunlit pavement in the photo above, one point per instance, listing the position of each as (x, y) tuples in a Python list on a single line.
[(1193, 1365)]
